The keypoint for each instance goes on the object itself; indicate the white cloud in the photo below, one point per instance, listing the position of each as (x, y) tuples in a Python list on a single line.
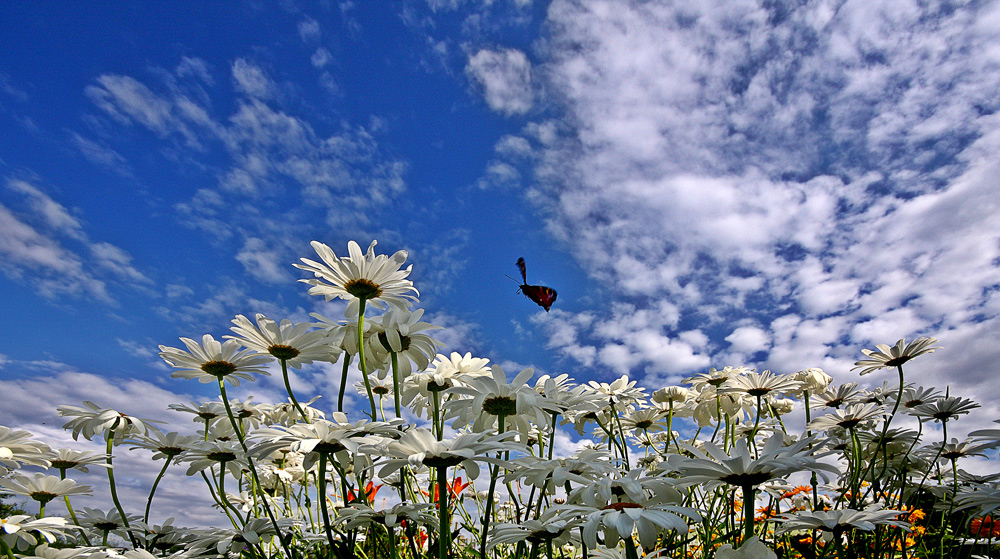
[(54, 214), (505, 77), (102, 155), (267, 155), (47, 248), (251, 80), (309, 30), (821, 175), (263, 263), (321, 57), (749, 339)]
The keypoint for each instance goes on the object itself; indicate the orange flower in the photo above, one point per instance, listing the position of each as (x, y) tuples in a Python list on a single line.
[(793, 492), (984, 527)]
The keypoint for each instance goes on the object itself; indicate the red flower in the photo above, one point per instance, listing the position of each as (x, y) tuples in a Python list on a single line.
[(370, 490), (455, 489)]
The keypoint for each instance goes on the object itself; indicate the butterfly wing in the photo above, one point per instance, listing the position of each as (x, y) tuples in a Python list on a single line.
[(541, 295), (524, 273)]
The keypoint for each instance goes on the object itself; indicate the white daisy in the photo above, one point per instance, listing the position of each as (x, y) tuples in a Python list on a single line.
[(294, 343), (211, 361), (373, 278)]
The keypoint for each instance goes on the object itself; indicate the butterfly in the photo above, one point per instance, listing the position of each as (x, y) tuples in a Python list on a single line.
[(541, 295)]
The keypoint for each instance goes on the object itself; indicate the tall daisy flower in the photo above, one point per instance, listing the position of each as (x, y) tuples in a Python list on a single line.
[(212, 361), (360, 279), (295, 343), (378, 279), (292, 344)]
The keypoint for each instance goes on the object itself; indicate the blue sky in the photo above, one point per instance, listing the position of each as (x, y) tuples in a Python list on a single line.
[(774, 184)]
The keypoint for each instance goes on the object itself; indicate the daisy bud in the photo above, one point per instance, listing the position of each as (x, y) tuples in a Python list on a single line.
[(675, 394), (814, 380)]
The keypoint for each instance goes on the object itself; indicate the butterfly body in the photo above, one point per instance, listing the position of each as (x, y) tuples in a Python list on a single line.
[(541, 295)]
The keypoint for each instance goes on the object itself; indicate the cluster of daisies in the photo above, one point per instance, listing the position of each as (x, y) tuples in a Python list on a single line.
[(452, 457)]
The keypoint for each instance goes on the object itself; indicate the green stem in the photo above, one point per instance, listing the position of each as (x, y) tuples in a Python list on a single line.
[(444, 535), (156, 482), (361, 354), (630, 552), (885, 427), (395, 384), (222, 493), (321, 476), (494, 471), (436, 396), (6, 549), (748, 500), (288, 388), (110, 438), (343, 381), (215, 498), (252, 468), (69, 508)]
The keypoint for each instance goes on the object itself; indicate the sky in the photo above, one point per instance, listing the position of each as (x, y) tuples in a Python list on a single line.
[(771, 184)]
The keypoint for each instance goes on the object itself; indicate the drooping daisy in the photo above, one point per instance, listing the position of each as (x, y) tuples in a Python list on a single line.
[(164, 446), (359, 515), (211, 361), (894, 356), (207, 454), (109, 522), (205, 412), (548, 528), (226, 541), (401, 332), (93, 419), (585, 466), (323, 437), (619, 507), (377, 279)]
